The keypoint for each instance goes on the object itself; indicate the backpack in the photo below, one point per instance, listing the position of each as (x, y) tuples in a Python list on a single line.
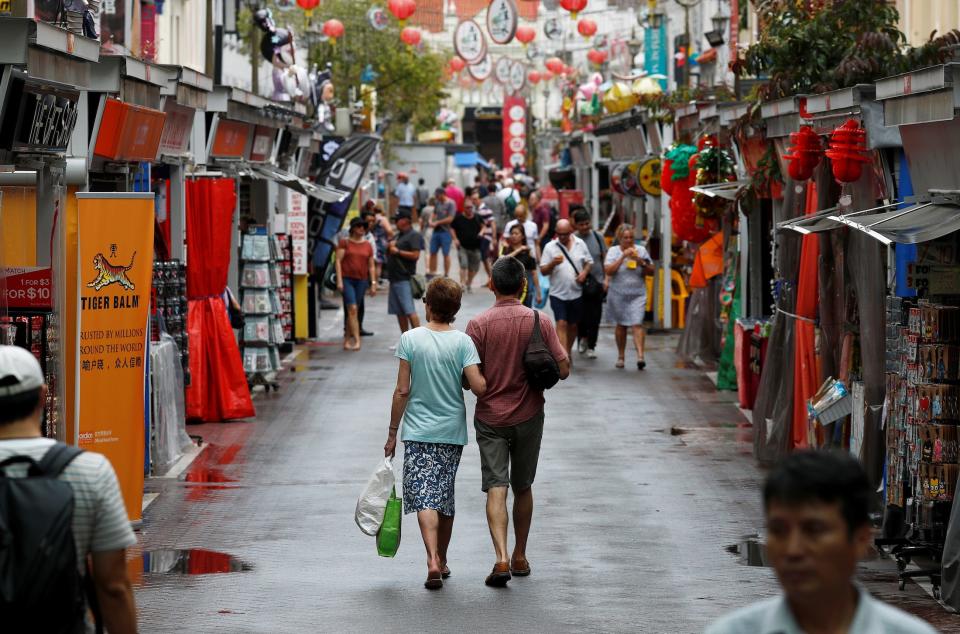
[(542, 369), (41, 589)]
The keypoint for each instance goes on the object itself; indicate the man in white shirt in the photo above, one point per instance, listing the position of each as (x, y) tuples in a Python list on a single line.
[(100, 527), (406, 195), (567, 261), (522, 217), (818, 526)]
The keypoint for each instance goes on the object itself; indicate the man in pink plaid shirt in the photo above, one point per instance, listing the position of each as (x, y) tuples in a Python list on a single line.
[(509, 416)]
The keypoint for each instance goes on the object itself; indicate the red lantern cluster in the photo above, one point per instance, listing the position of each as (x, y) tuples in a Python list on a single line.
[(525, 34), (410, 36), (534, 77), (573, 6), (457, 64), (848, 152), (596, 57), (804, 155), (555, 65), (546, 76), (402, 9), (587, 27)]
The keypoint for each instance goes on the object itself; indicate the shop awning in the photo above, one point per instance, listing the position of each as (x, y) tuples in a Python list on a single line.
[(728, 191), (920, 222), (469, 159), (824, 220), (285, 178)]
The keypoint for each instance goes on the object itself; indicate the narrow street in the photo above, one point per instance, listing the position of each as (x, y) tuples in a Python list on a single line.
[(645, 480)]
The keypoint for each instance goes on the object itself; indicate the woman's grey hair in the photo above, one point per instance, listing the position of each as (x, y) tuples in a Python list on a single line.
[(623, 228), (508, 275)]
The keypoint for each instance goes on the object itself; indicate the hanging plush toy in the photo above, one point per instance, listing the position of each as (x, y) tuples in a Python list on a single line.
[(323, 93), (713, 165), (290, 82)]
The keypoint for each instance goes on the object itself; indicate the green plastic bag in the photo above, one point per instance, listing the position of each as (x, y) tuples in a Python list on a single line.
[(388, 539)]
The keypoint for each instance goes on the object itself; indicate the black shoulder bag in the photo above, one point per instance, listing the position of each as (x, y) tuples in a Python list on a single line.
[(542, 369), (592, 289)]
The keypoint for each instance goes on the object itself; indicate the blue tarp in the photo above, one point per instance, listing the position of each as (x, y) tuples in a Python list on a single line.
[(469, 159)]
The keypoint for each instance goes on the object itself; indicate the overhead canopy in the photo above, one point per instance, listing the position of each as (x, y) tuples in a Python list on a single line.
[(920, 222), (825, 220), (728, 191), (296, 183), (469, 159)]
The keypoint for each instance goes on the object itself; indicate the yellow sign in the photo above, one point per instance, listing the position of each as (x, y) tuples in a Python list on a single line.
[(114, 272), (649, 177)]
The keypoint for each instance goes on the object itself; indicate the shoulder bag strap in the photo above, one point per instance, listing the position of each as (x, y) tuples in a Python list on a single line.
[(57, 458), (569, 259), (600, 243), (536, 336)]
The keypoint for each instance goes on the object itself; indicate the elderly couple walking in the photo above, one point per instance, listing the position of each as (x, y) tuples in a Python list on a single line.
[(436, 363)]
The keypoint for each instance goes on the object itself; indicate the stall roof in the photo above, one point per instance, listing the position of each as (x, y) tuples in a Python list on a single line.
[(922, 96), (823, 220), (730, 112), (107, 76), (831, 109), (469, 159), (296, 183), (187, 77), (621, 121), (782, 116), (17, 33), (727, 191), (920, 222)]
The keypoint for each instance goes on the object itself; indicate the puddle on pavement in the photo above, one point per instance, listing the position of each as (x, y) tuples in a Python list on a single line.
[(750, 552), (191, 561), (208, 476)]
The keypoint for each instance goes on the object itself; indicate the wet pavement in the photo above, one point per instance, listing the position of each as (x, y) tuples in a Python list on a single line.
[(646, 501)]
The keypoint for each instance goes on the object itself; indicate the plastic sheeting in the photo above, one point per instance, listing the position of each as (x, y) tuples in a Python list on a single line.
[(218, 386), (917, 223), (168, 418), (701, 336)]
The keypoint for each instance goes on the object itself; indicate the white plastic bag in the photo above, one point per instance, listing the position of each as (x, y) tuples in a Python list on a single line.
[(373, 500)]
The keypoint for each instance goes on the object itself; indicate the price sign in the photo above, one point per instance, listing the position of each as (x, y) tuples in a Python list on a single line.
[(933, 279), (27, 287)]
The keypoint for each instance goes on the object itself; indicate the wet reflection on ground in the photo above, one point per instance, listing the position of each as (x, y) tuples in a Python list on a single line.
[(191, 561)]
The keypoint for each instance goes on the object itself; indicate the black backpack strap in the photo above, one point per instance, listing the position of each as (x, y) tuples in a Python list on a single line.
[(56, 459), (569, 259)]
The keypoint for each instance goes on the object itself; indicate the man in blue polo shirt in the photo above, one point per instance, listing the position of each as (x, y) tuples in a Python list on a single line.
[(406, 195)]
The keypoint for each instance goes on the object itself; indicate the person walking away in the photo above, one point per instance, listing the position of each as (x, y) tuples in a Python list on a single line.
[(627, 265), (544, 216), (510, 196), (518, 248), (817, 506), (406, 195), (488, 232), (465, 230), (455, 194), (588, 330), (567, 262), (443, 214), (99, 529), (426, 214), (401, 266), (428, 401), (422, 196), (382, 232), (499, 209), (509, 416), (356, 272), (522, 218)]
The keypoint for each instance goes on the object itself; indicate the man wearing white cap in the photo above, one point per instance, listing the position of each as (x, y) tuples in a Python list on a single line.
[(99, 525), (406, 195)]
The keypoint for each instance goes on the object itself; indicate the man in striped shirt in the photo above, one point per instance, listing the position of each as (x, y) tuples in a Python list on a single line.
[(100, 525)]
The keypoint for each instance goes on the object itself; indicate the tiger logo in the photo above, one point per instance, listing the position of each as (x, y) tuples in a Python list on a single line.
[(111, 273)]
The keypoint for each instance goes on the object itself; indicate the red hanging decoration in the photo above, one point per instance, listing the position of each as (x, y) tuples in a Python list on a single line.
[(308, 6), (573, 6), (587, 27), (457, 64), (848, 152), (402, 10), (410, 36), (804, 155), (596, 57), (546, 76), (555, 65), (533, 77), (666, 176), (333, 29), (525, 34)]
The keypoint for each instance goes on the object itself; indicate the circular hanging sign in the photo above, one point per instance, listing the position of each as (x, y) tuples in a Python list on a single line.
[(468, 42), (616, 177), (501, 70), (482, 69), (285, 5), (502, 16), (552, 29), (629, 180), (518, 76), (378, 18), (533, 51), (648, 176)]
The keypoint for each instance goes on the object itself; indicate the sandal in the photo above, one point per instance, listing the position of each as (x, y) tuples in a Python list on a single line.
[(445, 572), (619, 364), (641, 364), (434, 581)]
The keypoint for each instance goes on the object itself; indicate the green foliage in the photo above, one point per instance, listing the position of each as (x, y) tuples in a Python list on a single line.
[(814, 46)]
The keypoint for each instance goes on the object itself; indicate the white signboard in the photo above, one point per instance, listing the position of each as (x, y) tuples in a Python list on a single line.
[(297, 229)]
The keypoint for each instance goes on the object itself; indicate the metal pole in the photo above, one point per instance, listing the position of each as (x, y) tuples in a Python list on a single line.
[(254, 61)]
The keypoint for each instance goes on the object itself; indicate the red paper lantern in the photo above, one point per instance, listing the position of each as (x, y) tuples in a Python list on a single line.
[(573, 6), (308, 6), (333, 29), (533, 77), (666, 176), (546, 76), (555, 65), (402, 9), (410, 36), (804, 155), (457, 64), (525, 34), (587, 27), (596, 57), (848, 152)]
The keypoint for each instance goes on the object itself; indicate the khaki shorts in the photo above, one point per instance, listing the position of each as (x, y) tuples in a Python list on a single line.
[(509, 455), (469, 259)]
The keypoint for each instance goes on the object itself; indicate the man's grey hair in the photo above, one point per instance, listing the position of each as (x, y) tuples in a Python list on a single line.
[(508, 275)]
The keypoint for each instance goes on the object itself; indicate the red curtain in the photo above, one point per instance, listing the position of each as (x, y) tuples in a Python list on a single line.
[(806, 372), (218, 386)]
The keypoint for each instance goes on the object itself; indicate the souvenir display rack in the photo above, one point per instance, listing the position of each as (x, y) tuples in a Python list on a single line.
[(39, 332), (285, 289), (262, 334), (922, 414), (170, 304)]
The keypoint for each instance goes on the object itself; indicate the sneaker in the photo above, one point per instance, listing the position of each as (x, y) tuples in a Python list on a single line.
[(365, 333), (583, 346), (591, 353)]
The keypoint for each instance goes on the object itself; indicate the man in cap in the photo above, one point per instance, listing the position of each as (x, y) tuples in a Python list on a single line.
[(406, 195), (443, 214), (100, 528), (403, 254)]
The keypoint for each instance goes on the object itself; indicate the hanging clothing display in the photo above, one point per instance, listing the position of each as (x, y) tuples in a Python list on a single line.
[(806, 374), (218, 387)]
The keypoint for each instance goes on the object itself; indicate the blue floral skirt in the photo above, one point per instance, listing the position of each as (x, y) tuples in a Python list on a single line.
[(429, 475)]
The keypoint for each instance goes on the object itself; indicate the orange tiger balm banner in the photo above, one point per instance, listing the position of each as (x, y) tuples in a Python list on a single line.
[(114, 276)]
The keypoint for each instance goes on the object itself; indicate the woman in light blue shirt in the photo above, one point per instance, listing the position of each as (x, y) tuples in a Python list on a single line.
[(428, 401)]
